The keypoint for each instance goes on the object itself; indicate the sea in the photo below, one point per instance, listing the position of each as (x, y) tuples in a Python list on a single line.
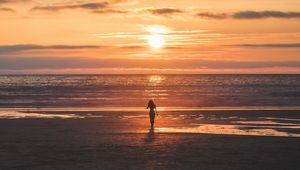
[(260, 105), (46, 91)]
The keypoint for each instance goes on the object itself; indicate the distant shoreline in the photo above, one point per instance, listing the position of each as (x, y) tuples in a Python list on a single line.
[(122, 108), (142, 74)]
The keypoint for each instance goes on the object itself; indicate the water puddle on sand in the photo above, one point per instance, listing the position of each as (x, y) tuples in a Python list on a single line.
[(232, 130), (10, 114), (132, 117), (267, 122), (286, 119), (268, 126)]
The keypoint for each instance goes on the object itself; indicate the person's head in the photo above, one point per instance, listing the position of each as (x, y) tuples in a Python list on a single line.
[(151, 101)]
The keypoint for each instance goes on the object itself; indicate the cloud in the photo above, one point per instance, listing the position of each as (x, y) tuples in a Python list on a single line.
[(295, 45), (4, 2), (110, 11), (95, 7), (89, 6), (13, 1), (265, 14), (26, 47), (6, 10), (212, 15), (105, 7), (163, 11), (249, 15), (20, 63)]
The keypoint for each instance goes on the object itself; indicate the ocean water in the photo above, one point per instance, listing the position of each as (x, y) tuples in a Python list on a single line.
[(136, 90), (259, 105)]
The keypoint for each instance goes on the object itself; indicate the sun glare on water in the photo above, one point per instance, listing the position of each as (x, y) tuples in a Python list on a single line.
[(156, 80)]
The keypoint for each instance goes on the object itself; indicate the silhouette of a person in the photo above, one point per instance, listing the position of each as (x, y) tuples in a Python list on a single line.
[(152, 112)]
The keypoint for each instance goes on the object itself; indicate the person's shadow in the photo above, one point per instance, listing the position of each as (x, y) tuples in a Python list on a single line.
[(150, 136)]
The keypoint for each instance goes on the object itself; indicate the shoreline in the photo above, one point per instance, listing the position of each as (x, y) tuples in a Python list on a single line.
[(277, 123)]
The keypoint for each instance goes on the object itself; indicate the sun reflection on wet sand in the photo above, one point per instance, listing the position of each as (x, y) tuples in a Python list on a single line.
[(265, 123), (174, 122), (19, 115), (228, 130)]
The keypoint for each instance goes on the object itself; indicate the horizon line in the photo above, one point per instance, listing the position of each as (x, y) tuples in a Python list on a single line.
[(135, 108), (44, 74)]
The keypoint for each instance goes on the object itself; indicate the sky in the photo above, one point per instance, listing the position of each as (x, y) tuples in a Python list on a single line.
[(149, 37)]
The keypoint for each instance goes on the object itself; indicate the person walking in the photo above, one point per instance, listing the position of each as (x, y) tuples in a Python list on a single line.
[(152, 112)]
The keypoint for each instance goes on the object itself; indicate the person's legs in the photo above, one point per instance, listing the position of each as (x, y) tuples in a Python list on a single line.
[(152, 117)]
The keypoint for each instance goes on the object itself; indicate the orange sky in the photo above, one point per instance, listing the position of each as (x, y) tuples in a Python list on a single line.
[(149, 36)]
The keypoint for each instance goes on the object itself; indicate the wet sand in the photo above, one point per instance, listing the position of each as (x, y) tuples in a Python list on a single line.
[(115, 140)]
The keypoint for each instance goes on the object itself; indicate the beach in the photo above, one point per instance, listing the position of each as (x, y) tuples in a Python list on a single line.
[(85, 122), (32, 139)]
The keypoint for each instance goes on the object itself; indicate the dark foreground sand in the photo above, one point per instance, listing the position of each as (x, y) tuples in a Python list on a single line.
[(42, 144)]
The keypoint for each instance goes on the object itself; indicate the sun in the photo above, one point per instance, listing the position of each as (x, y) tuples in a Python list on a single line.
[(156, 36), (156, 40)]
